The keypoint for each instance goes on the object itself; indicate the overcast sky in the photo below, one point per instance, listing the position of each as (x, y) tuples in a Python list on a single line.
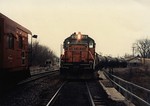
[(114, 24)]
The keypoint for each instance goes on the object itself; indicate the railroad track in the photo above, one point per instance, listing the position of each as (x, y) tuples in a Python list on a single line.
[(38, 76), (31, 92), (78, 93), (97, 95)]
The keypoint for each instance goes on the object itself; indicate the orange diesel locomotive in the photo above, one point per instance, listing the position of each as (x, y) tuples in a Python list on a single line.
[(79, 54)]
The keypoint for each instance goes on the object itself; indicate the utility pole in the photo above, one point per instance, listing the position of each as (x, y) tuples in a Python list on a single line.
[(32, 36), (133, 49)]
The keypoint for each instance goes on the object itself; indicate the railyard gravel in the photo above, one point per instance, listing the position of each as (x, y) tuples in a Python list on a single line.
[(31, 94)]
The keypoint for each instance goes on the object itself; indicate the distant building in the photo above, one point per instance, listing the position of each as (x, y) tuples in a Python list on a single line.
[(134, 61), (146, 60), (48, 62)]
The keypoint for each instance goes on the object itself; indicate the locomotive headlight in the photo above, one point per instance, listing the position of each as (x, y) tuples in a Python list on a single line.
[(79, 36)]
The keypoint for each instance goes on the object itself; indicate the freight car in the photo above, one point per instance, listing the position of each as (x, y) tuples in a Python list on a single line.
[(13, 49), (109, 62), (79, 54)]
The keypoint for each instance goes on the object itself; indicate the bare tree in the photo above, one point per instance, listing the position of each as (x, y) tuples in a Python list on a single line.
[(40, 54), (142, 47)]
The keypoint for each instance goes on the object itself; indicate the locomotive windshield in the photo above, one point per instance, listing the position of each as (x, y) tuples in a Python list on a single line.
[(91, 44)]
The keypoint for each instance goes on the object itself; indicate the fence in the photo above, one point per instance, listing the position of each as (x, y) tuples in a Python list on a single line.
[(129, 90)]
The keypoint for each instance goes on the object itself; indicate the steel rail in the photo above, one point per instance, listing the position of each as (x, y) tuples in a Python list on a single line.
[(35, 77), (44, 72), (127, 91), (90, 96), (130, 83), (55, 95)]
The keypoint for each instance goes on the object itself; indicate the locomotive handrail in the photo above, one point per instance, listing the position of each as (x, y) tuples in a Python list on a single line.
[(91, 55), (132, 86), (93, 59)]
